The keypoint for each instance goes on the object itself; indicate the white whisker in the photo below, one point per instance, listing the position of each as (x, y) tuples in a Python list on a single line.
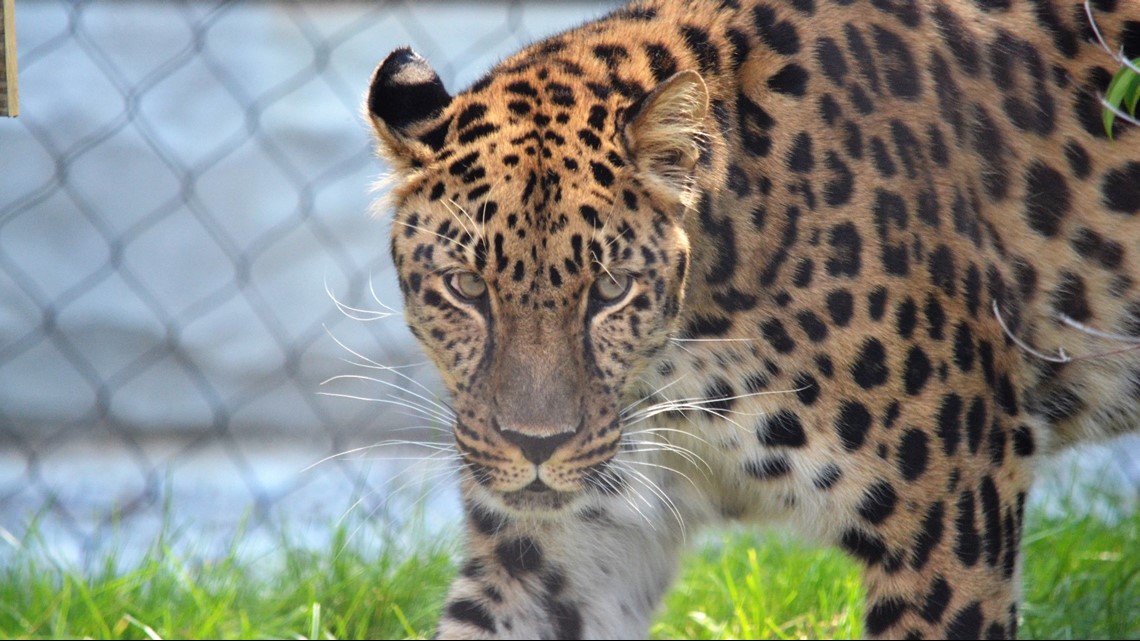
[(432, 233), (388, 368), (661, 495), (365, 448), (654, 430), (372, 291), (1061, 357), (632, 504), (1079, 326), (420, 412), (663, 467), (713, 340), (652, 394), (426, 411), (469, 232), (440, 408), (694, 459), (357, 313)]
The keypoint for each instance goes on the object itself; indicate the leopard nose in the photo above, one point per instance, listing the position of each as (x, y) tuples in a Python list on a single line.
[(537, 449)]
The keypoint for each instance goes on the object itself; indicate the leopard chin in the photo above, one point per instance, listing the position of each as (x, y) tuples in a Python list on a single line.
[(538, 499)]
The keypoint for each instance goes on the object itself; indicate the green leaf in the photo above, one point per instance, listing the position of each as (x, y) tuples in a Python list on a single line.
[(1133, 98), (1123, 91)]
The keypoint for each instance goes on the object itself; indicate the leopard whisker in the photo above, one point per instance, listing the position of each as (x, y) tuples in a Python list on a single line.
[(432, 406), (688, 351), (697, 403), (713, 340), (613, 207), (1061, 357), (375, 297), (356, 313), (643, 447), (604, 268), (630, 499), (387, 443), (434, 457), (680, 406), (433, 428), (439, 409), (696, 459), (483, 210), (432, 233), (651, 394), (654, 430), (469, 232), (681, 410), (428, 477), (1091, 331), (371, 364), (394, 369), (664, 467), (434, 447), (1119, 57), (608, 485), (1117, 110), (418, 411), (653, 487)]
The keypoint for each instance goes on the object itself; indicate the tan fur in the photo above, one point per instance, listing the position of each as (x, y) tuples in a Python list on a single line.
[(880, 259), (667, 134)]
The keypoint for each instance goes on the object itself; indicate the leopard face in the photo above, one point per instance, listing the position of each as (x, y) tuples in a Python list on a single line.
[(542, 274)]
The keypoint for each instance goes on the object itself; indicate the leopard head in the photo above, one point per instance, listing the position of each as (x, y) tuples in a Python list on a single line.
[(537, 234)]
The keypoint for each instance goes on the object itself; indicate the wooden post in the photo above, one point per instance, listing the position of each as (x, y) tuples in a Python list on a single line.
[(9, 96)]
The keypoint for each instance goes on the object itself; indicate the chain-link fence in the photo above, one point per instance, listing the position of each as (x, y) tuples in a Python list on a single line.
[(185, 183), (182, 199)]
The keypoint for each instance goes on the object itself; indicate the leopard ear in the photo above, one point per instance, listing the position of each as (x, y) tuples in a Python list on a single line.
[(405, 96), (664, 133)]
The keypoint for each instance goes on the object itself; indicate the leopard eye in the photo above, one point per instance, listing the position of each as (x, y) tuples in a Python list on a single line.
[(466, 285), (611, 287)]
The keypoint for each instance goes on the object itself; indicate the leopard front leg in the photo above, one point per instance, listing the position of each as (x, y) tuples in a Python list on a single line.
[(940, 534), (595, 572), (953, 576)]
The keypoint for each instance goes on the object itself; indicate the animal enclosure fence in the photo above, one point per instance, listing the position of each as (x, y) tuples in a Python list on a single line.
[(186, 185)]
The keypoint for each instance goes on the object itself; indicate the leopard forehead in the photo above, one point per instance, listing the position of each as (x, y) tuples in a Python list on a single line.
[(531, 183)]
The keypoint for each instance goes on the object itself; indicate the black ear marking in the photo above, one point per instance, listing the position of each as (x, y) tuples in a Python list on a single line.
[(405, 90)]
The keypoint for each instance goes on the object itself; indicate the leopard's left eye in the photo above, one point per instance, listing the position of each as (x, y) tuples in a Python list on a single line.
[(611, 287), (467, 285)]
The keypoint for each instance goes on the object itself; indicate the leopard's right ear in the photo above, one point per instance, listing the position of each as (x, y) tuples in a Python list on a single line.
[(405, 98), (664, 133)]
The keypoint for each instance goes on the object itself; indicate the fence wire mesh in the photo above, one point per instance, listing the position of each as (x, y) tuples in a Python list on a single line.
[(185, 182)]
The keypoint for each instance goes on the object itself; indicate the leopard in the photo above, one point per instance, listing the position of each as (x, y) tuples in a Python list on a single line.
[(853, 267)]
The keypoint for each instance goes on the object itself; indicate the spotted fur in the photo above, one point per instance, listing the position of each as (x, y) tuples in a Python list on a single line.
[(867, 261)]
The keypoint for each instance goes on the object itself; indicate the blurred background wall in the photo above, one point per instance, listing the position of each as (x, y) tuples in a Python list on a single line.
[(186, 255), (184, 201)]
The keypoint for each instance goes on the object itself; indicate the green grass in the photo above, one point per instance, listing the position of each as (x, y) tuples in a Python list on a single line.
[(338, 592), (1081, 578)]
